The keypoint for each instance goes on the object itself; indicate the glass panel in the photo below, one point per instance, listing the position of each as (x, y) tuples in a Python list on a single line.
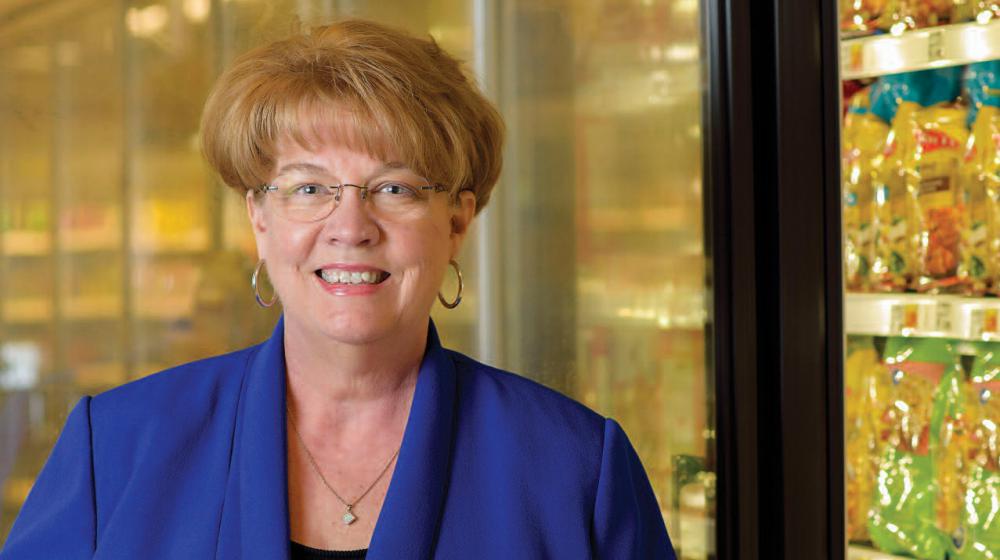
[(921, 171), (27, 268), (602, 101), (87, 177), (188, 287), (587, 272)]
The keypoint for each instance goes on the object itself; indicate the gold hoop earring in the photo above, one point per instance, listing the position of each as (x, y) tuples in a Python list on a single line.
[(458, 298), (256, 291)]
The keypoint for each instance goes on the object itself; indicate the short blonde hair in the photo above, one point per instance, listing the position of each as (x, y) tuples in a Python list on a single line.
[(403, 97)]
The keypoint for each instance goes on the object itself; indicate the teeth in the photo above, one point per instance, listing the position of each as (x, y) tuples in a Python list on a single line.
[(345, 277)]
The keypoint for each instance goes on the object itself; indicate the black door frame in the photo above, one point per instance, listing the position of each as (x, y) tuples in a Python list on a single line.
[(772, 171)]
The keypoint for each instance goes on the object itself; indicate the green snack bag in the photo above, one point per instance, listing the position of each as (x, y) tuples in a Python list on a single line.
[(980, 538), (918, 399)]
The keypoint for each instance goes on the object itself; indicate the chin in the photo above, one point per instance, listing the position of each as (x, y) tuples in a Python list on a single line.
[(356, 327)]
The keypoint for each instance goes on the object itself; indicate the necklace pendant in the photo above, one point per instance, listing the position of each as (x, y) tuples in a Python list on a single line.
[(349, 517)]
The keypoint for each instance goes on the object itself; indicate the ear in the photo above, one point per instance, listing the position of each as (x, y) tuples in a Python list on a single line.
[(257, 221), (255, 212), (462, 214)]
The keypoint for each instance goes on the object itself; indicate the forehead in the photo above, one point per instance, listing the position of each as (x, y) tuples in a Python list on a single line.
[(331, 141)]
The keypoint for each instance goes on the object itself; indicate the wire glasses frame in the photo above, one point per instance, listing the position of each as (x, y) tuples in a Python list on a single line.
[(320, 206)]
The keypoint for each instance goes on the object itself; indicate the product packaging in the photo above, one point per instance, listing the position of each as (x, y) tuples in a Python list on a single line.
[(861, 372), (895, 99), (903, 15), (933, 181), (980, 182), (981, 11), (917, 209), (979, 538), (864, 137), (860, 17), (918, 398)]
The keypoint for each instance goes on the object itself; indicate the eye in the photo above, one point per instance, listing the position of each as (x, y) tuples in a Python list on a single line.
[(396, 188), (307, 189)]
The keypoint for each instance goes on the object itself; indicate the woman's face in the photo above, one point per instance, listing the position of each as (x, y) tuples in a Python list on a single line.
[(406, 253)]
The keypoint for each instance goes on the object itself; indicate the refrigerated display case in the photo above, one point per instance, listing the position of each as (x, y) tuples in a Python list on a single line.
[(920, 313), (591, 270)]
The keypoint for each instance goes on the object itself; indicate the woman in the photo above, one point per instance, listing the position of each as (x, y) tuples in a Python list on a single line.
[(364, 154)]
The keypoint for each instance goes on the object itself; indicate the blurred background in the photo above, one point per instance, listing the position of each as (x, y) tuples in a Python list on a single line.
[(121, 254)]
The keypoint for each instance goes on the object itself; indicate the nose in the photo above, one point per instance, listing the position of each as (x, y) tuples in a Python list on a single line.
[(351, 222)]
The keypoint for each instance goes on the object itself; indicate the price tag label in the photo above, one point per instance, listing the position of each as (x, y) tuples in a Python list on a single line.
[(935, 45), (983, 323), (852, 56), (904, 318), (942, 317), (990, 323), (977, 323)]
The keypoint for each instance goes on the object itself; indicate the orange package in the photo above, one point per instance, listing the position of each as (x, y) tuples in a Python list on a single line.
[(933, 181)]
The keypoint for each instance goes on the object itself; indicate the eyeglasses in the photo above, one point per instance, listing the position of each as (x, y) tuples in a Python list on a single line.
[(310, 201)]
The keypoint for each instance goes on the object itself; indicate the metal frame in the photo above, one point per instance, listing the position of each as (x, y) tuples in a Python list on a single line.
[(773, 175)]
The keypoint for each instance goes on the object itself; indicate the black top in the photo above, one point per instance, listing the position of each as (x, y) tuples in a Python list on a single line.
[(303, 552)]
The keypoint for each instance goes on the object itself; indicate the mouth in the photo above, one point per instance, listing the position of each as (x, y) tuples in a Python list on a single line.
[(341, 277)]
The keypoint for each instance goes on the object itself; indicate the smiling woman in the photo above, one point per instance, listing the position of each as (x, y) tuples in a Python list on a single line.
[(363, 154)]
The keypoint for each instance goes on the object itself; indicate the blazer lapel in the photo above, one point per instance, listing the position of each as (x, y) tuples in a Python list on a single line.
[(255, 514), (407, 527)]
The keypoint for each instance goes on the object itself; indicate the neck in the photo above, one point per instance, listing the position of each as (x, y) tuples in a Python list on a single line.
[(337, 384)]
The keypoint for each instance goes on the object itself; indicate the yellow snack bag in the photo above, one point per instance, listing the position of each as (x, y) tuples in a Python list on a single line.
[(864, 139), (932, 178), (895, 264), (980, 191), (979, 538), (861, 371)]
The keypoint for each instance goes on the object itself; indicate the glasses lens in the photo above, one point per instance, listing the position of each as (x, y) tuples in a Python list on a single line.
[(306, 202), (309, 202), (399, 198)]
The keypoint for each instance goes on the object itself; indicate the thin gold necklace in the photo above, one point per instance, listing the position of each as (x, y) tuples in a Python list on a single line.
[(348, 516)]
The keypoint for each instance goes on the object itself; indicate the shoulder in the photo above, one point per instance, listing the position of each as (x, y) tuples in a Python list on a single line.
[(175, 393), (534, 410)]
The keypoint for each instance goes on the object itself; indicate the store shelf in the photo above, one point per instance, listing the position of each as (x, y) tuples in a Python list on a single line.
[(855, 552), (26, 243), (922, 315), (170, 246), (170, 308), (90, 241), (93, 308), (99, 376), (921, 49), (27, 310)]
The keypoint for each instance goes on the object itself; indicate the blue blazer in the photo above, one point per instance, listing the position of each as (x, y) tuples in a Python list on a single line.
[(190, 463)]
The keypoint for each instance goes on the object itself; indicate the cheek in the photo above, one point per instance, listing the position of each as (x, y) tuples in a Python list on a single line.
[(287, 247), (427, 245)]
